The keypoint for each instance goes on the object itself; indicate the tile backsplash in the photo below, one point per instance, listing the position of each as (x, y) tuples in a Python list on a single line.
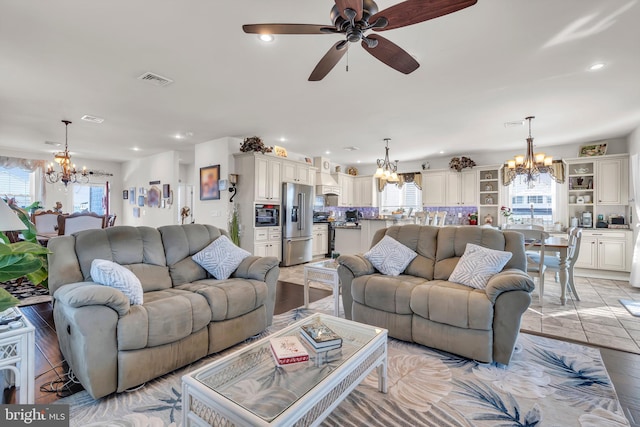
[(338, 211)]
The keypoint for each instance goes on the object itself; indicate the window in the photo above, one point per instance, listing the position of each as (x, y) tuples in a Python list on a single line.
[(409, 196), (19, 184), (89, 198), (536, 204)]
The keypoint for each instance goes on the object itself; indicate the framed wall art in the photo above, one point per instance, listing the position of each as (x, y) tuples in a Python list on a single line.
[(153, 197), (132, 195), (209, 177), (125, 194), (591, 150)]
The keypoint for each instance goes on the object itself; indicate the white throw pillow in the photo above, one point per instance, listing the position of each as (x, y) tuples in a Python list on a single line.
[(114, 275), (390, 257), (221, 258), (477, 265)]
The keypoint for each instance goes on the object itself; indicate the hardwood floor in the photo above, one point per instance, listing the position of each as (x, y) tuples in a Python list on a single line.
[(623, 368)]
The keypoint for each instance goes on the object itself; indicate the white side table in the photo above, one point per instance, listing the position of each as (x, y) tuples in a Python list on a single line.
[(17, 355), (323, 272)]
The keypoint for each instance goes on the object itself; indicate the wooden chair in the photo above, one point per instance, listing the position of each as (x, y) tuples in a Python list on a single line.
[(69, 224), (111, 220), (421, 218), (440, 218), (46, 222), (534, 242)]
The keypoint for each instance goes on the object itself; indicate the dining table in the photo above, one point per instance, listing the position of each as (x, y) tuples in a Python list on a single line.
[(561, 245)]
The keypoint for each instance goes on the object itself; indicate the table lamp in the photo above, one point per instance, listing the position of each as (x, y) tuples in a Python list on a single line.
[(9, 221)]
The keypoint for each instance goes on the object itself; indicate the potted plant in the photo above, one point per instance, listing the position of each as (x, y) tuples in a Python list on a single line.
[(473, 218), (234, 225), (254, 143)]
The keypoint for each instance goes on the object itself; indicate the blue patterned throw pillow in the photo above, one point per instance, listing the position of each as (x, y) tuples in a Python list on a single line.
[(390, 257), (477, 265), (221, 258), (114, 275)]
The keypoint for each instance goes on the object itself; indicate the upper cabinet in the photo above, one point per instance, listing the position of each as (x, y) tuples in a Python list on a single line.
[(365, 193), (298, 173), (268, 179), (447, 188), (612, 179), (346, 184)]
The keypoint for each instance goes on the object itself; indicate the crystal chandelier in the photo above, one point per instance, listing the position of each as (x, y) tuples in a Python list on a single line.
[(68, 172), (386, 169), (531, 165)]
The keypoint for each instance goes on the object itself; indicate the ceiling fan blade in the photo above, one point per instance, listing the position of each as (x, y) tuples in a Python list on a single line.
[(411, 12), (287, 29), (350, 4), (329, 60), (391, 54)]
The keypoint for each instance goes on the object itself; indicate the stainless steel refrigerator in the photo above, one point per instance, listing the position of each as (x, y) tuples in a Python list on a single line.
[(297, 223)]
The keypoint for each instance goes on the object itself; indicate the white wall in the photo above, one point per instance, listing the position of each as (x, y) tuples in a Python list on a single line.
[(215, 152), (138, 173)]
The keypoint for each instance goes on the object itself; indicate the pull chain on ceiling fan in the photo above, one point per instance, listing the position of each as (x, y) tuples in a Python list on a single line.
[(355, 18)]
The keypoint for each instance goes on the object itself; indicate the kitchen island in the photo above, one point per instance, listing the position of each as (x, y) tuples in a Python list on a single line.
[(357, 239)]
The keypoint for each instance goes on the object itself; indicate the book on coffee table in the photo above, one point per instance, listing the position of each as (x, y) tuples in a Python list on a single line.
[(320, 336), (288, 350)]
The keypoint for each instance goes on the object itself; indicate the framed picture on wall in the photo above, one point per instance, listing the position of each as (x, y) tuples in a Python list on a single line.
[(141, 201), (132, 195), (153, 197), (166, 191), (125, 194), (209, 186)]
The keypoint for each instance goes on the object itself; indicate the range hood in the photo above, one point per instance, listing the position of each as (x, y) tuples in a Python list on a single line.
[(325, 184)]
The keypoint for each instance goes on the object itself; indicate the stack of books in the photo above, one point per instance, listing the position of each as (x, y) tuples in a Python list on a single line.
[(320, 337), (288, 350)]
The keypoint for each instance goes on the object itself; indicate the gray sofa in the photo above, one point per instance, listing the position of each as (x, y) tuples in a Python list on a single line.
[(111, 345), (422, 306)]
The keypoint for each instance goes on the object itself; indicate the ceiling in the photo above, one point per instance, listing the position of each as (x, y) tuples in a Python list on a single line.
[(495, 62)]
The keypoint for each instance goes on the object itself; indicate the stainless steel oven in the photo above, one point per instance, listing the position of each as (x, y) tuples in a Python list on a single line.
[(267, 215)]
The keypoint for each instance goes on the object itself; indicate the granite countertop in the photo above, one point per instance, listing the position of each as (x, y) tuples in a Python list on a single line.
[(347, 227)]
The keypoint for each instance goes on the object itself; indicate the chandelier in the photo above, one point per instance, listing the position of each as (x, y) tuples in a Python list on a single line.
[(386, 169), (68, 172), (531, 165)]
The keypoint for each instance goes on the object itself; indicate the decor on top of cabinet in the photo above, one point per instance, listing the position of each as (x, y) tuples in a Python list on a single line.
[(254, 143), (592, 150), (280, 151), (459, 163), (352, 171)]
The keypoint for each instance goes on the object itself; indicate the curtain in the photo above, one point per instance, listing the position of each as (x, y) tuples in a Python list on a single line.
[(634, 279), (556, 170), (415, 177), (30, 165)]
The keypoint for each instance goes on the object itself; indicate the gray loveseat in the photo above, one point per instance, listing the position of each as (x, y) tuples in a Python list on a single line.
[(111, 345), (422, 306)]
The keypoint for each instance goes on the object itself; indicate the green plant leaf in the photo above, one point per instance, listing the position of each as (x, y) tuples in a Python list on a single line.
[(7, 300), (39, 277), (26, 265)]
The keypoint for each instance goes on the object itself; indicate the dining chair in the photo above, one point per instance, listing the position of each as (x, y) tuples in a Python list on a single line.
[(46, 222), (111, 220), (440, 218), (421, 218), (69, 224), (534, 242), (553, 262)]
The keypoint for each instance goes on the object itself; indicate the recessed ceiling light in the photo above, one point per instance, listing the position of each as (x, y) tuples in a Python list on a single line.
[(283, 139), (357, 161), (441, 151), (92, 119), (327, 152), (267, 38), (135, 149), (596, 66), (179, 136)]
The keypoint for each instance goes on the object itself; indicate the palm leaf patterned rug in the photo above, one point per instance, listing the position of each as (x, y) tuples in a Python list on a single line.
[(547, 383)]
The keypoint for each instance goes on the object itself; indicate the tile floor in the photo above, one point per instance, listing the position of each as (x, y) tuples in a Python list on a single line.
[(598, 318)]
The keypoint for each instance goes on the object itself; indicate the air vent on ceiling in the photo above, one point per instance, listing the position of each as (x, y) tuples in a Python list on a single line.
[(514, 124), (155, 79), (92, 119), (351, 148), (55, 144)]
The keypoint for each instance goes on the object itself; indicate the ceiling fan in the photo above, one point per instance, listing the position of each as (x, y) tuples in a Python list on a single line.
[(354, 18)]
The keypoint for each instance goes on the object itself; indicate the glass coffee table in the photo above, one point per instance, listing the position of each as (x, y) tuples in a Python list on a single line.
[(323, 272), (248, 388)]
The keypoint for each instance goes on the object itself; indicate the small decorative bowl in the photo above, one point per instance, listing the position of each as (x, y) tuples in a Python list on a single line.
[(581, 170)]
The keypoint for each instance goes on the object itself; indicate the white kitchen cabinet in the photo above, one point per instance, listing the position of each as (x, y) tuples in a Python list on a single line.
[(434, 188), (612, 181), (297, 173), (445, 188), (346, 184), (268, 179), (320, 240), (268, 242), (605, 250), (365, 193)]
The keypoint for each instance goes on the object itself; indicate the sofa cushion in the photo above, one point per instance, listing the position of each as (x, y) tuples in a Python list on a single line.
[(152, 277), (110, 274), (389, 256), (388, 293), (478, 265), (165, 317), (221, 257), (452, 304), (229, 298)]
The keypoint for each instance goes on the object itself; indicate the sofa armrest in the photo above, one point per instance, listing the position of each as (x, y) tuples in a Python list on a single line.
[(508, 280), (82, 294), (350, 267), (254, 267)]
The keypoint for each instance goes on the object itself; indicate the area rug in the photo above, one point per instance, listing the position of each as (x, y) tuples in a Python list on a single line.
[(26, 292), (548, 383), (632, 306)]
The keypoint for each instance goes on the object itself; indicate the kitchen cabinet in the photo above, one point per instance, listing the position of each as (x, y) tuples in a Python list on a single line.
[(297, 173), (268, 242), (445, 188), (612, 181), (605, 250), (320, 240), (489, 195), (365, 193), (346, 184), (268, 179)]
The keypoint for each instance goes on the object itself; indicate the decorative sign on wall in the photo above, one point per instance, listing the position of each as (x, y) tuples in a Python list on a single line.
[(154, 182)]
